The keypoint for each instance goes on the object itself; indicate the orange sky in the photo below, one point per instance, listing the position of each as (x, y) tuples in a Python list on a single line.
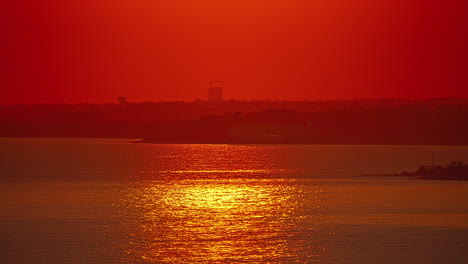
[(95, 50)]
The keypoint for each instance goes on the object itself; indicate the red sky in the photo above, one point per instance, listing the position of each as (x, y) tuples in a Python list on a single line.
[(151, 50)]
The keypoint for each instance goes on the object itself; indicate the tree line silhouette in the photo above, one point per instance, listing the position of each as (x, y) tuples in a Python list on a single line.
[(376, 121)]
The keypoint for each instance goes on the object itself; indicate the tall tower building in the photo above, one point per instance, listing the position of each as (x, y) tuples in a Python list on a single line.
[(215, 94)]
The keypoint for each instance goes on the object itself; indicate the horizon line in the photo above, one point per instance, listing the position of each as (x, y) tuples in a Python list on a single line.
[(247, 100)]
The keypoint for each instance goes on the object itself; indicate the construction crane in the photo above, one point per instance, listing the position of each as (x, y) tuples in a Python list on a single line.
[(211, 83)]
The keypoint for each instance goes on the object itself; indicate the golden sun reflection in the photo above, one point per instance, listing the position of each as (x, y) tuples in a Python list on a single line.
[(231, 220), (217, 171)]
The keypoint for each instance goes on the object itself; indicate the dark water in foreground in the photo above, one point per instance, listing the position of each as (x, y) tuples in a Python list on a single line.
[(107, 201)]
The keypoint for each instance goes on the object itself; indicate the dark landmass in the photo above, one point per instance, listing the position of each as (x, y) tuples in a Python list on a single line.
[(454, 171), (442, 121)]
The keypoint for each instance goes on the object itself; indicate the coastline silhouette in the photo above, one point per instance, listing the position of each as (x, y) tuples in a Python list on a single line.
[(374, 121)]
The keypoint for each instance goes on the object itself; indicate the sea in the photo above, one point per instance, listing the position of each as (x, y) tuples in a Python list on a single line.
[(75, 200)]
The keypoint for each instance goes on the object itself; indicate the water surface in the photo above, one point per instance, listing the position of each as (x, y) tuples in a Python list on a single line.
[(108, 201)]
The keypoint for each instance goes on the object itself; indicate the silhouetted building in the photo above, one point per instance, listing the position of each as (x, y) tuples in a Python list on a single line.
[(215, 94), (122, 101)]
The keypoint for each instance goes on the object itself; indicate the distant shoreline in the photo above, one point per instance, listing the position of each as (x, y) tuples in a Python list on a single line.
[(457, 171), (224, 142), (381, 122), (192, 141)]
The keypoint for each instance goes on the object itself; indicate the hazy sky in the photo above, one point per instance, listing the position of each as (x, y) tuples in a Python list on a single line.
[(96, 50)]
